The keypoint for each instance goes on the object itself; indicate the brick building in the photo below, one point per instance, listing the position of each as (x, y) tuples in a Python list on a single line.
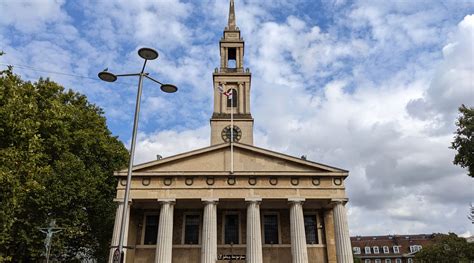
[(389, 249)]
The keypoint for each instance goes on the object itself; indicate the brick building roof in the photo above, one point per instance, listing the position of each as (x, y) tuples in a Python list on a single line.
[(407, 245)]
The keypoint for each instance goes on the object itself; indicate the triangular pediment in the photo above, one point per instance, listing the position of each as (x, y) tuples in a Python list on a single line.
[(247, 159)]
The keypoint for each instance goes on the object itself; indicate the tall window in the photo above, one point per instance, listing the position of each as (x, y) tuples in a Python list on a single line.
[(367, 261), (388, 260), (310, 229), (376, 249), (378, 261), (410, 260), (386, 250), (356, 250), (270, 229), (396, 249), (367, 250), (191, 229), (415, 248), (398, 260), (231, 231), (151, 229), (232, 100)]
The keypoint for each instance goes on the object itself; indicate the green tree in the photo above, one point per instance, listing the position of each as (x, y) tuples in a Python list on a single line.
[(447, 248), (57, 158), (464, 139)]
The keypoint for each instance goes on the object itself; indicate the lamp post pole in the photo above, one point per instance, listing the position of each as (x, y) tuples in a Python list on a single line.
[(146, 54)]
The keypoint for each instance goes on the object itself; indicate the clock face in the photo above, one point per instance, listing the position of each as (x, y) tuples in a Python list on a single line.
[(227, 134)]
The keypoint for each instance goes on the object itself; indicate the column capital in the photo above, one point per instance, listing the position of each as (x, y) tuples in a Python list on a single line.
[(297, 200), (253, 199), (120, 200), (167, 200), (210, 200), (335, 201)]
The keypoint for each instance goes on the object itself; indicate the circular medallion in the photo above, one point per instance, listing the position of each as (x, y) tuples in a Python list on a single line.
[(231, 180), (273, 180), (123, 182), (337, 181), (167, 181), (252, 180), (316, 181), (227, 133), (146, 181), (189, 181), (210, 180), (295, 181)]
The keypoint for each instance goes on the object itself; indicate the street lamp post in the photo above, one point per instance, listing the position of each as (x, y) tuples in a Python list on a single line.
[(146, 54)]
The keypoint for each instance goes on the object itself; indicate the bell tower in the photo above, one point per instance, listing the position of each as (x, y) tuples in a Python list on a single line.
[(231, 77)]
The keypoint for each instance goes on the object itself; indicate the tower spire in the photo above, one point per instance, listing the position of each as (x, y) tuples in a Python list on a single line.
[(231, 22)]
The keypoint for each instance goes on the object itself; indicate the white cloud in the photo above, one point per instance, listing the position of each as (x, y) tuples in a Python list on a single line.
[(453, 81), (30, 16), (369, 90), (167, 143)]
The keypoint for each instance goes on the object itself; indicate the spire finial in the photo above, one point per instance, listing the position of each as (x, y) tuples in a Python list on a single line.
[(231, 23)]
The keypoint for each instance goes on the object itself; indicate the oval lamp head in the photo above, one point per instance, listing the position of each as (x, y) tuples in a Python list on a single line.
[(148, 53), (168, 88), (107, 76)]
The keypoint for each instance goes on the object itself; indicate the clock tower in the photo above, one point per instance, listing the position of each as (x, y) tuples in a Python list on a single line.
[(231, 77)]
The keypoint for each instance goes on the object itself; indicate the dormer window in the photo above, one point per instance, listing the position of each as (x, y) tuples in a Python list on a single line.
[(376, 249), (367, 250), (356, 250), (396, 249), (415, 248), (386, 250)]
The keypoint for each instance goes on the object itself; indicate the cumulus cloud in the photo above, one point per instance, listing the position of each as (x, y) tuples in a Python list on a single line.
[(368, 86), (167, 143), (31, 16), (453, 81)]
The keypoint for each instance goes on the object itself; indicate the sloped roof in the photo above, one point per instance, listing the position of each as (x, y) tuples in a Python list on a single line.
[(248, 159)]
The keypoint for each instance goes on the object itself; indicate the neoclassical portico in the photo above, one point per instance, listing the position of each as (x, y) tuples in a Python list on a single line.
[(233, 201), (292, 213)]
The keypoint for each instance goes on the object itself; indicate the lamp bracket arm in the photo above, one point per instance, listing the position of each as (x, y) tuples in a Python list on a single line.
[(148, 77), (128, 75)]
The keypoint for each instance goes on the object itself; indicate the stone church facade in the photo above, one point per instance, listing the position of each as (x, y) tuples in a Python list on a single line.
[(232, 201)]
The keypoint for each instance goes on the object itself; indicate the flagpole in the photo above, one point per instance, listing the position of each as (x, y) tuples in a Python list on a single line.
[(232, 131)]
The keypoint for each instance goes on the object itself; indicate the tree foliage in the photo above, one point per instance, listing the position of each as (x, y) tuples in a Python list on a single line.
[(57, 157), (464, 139), (447, 248)]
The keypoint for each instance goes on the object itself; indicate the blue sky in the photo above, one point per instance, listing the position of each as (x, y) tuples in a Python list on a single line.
[(369, 86)]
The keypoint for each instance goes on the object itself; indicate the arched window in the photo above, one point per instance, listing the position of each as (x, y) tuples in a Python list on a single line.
[(232, 99)]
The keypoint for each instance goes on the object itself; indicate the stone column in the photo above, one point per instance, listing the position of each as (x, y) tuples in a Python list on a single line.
[(116, 234), (341, 232), (254, 233), (240, 105), (209, 232), (164, 241), (298, 235), (319, 225)]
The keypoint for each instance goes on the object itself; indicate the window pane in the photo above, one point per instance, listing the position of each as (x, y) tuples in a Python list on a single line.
[(151, 230), (270, 224), (191, 229), (310, 229), (232, 229)]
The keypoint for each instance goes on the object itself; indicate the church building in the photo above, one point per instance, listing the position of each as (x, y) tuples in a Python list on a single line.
[(233, 201)]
